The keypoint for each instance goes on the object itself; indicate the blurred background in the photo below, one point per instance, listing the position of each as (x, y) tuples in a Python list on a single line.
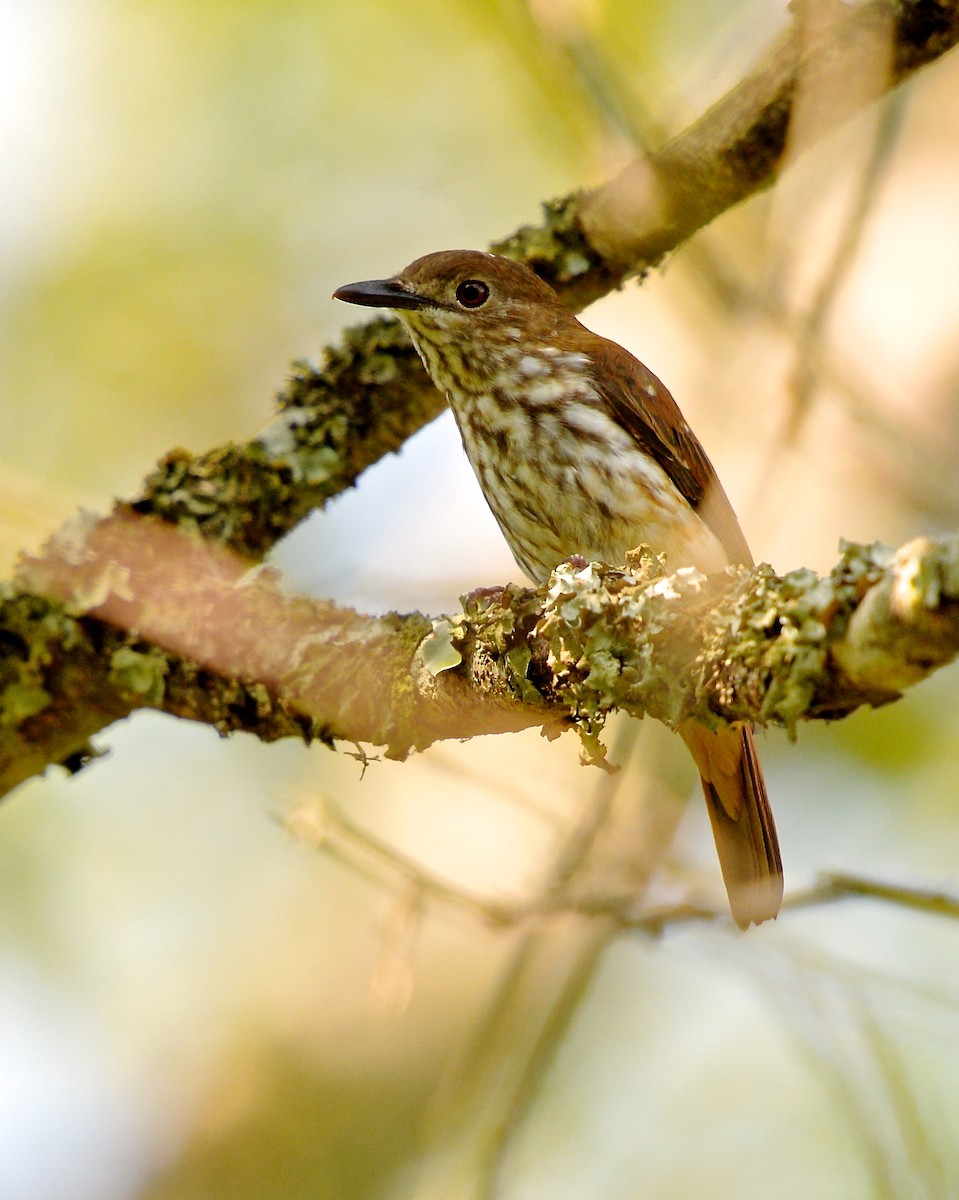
[(213, 981)]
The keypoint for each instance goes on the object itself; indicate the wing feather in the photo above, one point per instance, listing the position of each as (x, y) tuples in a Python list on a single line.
[(644, 408)]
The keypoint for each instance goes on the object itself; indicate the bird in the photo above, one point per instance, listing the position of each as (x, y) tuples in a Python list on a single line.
[(580, 450)]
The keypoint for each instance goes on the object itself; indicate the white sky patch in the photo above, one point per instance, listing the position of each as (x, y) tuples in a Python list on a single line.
[(42, 117), (70, 1129)]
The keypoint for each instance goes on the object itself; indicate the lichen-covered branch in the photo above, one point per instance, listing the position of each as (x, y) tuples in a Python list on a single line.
[(834, 60), (591, 241), (137, 614), (131, 612), (371, 393), (369, 396), (150, 623), (746, 645)]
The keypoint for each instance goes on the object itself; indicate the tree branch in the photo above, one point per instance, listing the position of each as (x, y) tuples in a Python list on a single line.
[(166, 621), (67, 671)]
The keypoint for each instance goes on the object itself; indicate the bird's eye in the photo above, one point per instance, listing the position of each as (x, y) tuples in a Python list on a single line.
[(472, 293)]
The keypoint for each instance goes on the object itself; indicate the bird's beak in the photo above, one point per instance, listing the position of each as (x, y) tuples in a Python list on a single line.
[(380, 293)]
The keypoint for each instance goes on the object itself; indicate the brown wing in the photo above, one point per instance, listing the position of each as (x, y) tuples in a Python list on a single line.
[(646, 410)]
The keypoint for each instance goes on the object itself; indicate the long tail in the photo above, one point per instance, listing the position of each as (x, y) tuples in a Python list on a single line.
[(741, 818)]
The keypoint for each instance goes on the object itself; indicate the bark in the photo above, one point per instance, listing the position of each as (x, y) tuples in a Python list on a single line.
[(138, 614)]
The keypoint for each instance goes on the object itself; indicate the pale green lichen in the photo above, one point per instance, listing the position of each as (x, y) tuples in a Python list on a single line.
[(518, 659), (139, 674), (791, 626), (20, 701), (589, 624), (605, 670), (437, 650), (287, 443), (278, 439)]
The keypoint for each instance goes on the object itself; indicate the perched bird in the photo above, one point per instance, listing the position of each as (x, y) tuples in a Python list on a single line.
[(579, 449)]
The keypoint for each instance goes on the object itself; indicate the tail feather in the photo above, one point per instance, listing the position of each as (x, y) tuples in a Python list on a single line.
[(741, 818)]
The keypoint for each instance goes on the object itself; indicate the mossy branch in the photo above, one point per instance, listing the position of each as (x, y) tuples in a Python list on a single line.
[(66, 672), (140, 615)]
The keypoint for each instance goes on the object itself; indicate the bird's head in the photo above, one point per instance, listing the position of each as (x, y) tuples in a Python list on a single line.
[(467, 297)]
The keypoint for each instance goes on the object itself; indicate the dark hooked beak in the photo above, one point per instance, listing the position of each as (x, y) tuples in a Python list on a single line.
[(380, 293)]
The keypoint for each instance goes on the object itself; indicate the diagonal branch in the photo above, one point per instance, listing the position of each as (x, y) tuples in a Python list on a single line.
[(171, 623)]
